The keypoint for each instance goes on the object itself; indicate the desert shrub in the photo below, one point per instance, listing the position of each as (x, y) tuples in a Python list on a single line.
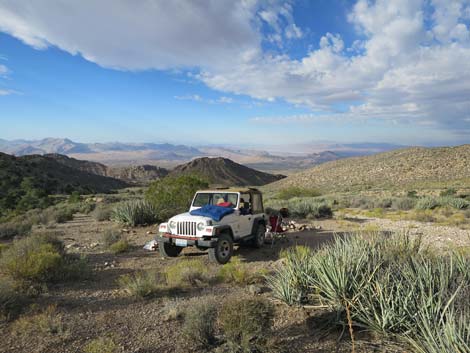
[(303, 207), (423, 216), (173, 195), (86, 207), (120, 246), (238, 272), (74, 197), (403, 203), (199, 324), (37, 260), (412, 194), (101, 213), (63, 214), (427, 203), (142, 284), (101, 345), (383, 203), (10, 300), (455, 202), (47, 322), (134, 213), (111, 236), (15, 228), (187, 273), (296, 191), (448, 192), (393, 286), (246, 323)]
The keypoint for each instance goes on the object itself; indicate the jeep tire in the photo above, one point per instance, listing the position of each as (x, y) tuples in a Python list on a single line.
[(259, 236), (223, 250), (169, 250)]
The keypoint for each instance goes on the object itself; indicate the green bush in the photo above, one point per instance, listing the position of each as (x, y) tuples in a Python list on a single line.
[(429, 203), (101, 213), (173, 195), (403, 203), (143, 284), (111, 236), (12, 229), (199, 324), (37, 260), (238, 272), (246, 323), (295, 191), (134, 213), (120, 246), (303, 207), (448, 192), (74, 197), (10, 300), (186, 273)]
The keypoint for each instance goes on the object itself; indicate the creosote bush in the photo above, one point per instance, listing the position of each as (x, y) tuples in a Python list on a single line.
[(134, 213), (142, 284), (391, 285), (199, 326), (246, 323), (40, 259)]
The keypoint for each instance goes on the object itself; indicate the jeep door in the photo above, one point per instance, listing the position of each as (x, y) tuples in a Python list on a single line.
[(245, 222)]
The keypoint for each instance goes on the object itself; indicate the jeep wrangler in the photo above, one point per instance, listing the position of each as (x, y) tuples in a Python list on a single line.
[(245, 223)]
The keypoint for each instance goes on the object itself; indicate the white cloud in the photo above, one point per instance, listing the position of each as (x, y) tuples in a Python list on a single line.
[(411, 61), (198, 98)]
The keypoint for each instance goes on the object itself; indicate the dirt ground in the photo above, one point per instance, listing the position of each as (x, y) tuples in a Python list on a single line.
[(97, 307)]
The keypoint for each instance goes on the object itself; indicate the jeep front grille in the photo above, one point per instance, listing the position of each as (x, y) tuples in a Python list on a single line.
[(186, 228)]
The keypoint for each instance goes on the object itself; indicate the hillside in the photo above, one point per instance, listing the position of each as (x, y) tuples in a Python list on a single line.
[(406, 168), (141, 174), (51, 176), (225, 172)]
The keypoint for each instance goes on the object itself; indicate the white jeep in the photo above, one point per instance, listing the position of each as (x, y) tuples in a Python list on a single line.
[(245, 222)]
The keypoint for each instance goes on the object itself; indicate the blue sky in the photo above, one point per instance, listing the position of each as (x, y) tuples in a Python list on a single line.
[(226, 72)]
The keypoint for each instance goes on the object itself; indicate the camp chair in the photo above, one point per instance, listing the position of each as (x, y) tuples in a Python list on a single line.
[(279, 226)]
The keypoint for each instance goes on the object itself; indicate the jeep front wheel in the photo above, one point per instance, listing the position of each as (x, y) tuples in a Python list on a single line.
[(259, 238), (223, 250), (169, 250)]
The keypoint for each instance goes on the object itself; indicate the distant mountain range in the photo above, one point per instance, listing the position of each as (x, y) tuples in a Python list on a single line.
[(169, 155), (408, 168)]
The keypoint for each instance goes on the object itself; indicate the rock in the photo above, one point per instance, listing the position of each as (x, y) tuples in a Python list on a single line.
[(71, 245), (94, 245), (148, 232), (255, 289)]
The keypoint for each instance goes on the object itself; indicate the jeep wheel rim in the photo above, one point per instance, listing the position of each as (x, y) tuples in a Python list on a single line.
[(224, 248)]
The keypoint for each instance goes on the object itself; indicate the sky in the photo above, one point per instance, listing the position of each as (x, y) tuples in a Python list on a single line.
[(247, 72)]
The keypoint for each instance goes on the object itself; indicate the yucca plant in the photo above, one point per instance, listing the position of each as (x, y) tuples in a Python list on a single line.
[(134, 213)]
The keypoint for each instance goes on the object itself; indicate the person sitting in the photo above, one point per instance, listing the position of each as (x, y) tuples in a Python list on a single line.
[(244, 207)]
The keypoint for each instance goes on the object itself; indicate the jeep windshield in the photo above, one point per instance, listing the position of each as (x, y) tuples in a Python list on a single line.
[(224, 199)]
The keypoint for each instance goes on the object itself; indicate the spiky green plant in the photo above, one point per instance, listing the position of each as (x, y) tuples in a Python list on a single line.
[(134, 213)]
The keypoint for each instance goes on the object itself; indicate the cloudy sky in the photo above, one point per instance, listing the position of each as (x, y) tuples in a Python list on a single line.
[(227, 71)]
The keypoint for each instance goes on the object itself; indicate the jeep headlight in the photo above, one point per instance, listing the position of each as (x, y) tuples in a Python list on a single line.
[(172, 224), (201, 226)]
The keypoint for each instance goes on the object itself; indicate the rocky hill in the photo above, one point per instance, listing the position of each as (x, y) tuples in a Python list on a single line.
[(141, 174), (225, 172), (53, 177), (414, 167)]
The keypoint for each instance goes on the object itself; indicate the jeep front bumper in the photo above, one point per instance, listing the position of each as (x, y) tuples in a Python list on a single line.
[(191, 241)]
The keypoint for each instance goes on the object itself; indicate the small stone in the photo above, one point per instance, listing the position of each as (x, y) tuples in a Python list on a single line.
[(255, 289)]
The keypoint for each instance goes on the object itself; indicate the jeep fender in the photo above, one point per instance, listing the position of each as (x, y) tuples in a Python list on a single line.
[(257, 221), (223, 229)]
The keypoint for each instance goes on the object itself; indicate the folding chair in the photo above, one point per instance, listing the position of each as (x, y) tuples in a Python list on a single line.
[(279, 226)]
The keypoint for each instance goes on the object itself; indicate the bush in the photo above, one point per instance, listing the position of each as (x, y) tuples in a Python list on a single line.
[(62, 215), (403, 203), (120, 246), (10, 299), (238, 272), (246, 323), (427, 203), (303, 207), (101, 213), (47, 322), (173, 195), (85, 207), (200, 324), (74, 197), (448, 192), (38, 260), (295, 191), (101, 345), (12, 229), (111, 236), (134, 213), (143, 284), (186, 273)]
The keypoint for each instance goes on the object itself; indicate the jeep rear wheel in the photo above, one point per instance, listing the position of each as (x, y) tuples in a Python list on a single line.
[(259, 238), (223, 250), (169, 250)]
